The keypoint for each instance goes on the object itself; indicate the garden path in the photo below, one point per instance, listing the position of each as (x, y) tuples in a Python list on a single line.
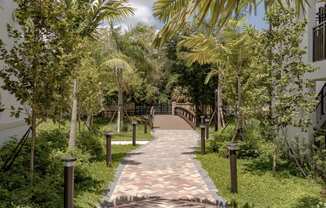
[(164, 173)]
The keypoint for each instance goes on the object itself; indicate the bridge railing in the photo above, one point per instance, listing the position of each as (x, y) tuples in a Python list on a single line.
[(187, 115)]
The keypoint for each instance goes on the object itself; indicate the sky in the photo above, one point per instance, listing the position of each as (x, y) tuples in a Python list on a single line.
[(144, 14)]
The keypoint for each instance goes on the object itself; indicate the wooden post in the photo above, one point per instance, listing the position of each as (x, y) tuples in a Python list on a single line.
[(202, 139), (207, 128), (134, 123), (69, 164), (233, 167), (145, 124), (108, 137)]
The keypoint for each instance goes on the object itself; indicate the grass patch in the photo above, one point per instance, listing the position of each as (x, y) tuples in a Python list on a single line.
[(102, 126), (260, 187), (126, 135)]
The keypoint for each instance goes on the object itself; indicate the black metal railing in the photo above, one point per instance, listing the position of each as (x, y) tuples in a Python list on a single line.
[(187, 115), (321, 108), (15, 153), (321, 15), (319, 42)]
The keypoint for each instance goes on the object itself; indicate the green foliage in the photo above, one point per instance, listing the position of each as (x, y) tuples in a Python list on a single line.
[(91, 174), (320, 161), (293, 99), (248, 148), (190, 78), (175, 14)]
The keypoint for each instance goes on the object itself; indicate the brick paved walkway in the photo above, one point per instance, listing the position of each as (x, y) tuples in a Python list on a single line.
[(163, 173)]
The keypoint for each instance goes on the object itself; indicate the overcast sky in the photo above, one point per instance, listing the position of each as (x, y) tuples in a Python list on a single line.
[(144, 14)]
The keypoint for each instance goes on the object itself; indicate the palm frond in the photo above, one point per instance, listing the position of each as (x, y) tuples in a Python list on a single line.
[(117, 63), (202, 49)]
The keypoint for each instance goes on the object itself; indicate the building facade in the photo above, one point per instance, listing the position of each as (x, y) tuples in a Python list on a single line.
[(315, 42), (10, 127)]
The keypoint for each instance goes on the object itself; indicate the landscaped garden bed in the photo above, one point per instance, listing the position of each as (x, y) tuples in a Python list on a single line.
[(92, 176)]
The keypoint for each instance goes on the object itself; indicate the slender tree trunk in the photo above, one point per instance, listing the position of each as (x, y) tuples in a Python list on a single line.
[(275, 158), (79, 119), (73, 123), (120, 101), (239, 122), (89, 121), (33, 144), (219, 111), (219, 119), (238, 134)]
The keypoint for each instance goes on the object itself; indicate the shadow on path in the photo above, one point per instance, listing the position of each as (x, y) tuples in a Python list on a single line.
[(150, 202)]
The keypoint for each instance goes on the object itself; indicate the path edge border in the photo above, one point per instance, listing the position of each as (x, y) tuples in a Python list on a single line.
[(208, 181)]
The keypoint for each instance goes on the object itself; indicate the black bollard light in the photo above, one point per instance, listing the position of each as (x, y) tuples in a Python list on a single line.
[(233, 147), (202, 117), (134, 123), (202, 139), (207, 128), (145, 124), (108, 138), (69, 164)]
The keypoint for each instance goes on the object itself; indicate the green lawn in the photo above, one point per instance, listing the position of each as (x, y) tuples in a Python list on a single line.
[(106, 126), (100, 176), (126, 135), (260, 187)]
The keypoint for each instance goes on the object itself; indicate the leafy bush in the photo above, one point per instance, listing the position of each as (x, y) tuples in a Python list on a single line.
[(91, 173), (91, 143), (247, 148), (320, 160)]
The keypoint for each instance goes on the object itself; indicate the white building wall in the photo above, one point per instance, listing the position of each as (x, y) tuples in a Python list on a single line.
[(319, 76), (9, 126)]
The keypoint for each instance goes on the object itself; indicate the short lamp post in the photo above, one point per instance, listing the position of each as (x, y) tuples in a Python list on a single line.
[(207, 128), (233, 147), (134, 127), (202, 117), (145, 124), (202, 139), (69, 164), (108, 139)]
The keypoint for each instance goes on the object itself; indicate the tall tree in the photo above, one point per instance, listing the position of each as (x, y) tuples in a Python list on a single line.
[(81, 20), (30, 70), (233, 55), (293, 98)]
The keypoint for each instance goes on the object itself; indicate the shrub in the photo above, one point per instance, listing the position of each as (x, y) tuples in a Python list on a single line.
[(247, 148), (47, 189), (91, 143)]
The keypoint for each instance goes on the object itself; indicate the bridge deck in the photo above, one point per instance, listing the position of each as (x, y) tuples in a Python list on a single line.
[(170, 122)]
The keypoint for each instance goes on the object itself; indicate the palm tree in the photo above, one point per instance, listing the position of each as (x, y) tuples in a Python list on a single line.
[(119, 64), (83, 19), (175, 13), (228, 56)]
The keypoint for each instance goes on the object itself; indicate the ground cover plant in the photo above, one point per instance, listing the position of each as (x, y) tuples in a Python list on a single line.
[(91, 174)]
